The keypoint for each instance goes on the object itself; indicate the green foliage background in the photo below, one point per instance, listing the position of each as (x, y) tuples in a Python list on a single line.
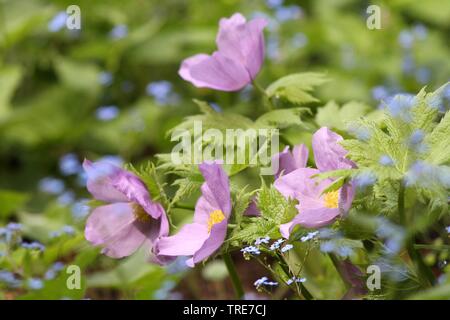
[(50, 92)]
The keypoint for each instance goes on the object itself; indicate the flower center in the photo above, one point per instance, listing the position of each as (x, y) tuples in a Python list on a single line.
[(331, 199), (215, 217), (139, 213)]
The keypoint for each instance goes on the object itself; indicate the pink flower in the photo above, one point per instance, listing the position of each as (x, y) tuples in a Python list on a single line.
[(290, 161), (316, 209), (236, 62), (206, 234), (130, 219)]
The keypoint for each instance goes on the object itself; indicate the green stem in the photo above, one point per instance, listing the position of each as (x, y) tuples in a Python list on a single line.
[(264, 98), (285, 267), (337, 265), (425, 274), (239, 291), (183, 206)]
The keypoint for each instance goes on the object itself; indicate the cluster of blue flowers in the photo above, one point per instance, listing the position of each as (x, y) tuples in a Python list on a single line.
[(9, 279), (295, 280), (261, 241), (11, 234), (251, 250), (309, 236), (365, 179), (264, 281), (33, 246), (52, 272), (162, 92), (286, 248), (392, 234), (65, 230), (276, 245)]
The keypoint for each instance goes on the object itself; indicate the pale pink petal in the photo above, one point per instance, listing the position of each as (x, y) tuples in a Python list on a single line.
[(213, 243), (328, 153), (285, 229), (242, 42), (99, 181), (298, 182), (215, 72), (315, 218), (346, 195), (216, 189), (288, 162), (113, 227), (185, 242), (136, 191)]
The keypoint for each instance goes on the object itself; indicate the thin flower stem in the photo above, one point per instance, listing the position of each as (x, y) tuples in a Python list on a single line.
[(239, 291), (423, 271), (305, 292), (337, 265), (264, 98)]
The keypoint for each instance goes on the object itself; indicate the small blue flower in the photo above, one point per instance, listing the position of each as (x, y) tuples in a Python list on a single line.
[(35, 284), (105, 78), (9, 279), (33, 246), (287, 248), (417, 136), (119, 31), (408, 64), (406, 39), (273, 48), (69, 164), (260, 241), (400, 105), (276, 245), (58, 22), (107, 113), (69, 230), (162, 92), (264, 282), (423, 75), (66, 198), (344, 251), (215, 106), (299, 40), (51, 185), (286, 13), (385, 160), (260, 281), (251, 250), (420, 31), (360, 132), (14, 226), (295, 279), (53, 271), (365, 179), (380, 93), (436, 101), (309, 236), (80, 209), (327, 246), (274, 3)]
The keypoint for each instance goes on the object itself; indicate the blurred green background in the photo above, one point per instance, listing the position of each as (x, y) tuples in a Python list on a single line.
[(112, 90)]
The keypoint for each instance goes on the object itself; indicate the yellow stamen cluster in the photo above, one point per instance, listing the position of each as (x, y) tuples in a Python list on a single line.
[(332, 199), (215, 217), (139, 213)]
